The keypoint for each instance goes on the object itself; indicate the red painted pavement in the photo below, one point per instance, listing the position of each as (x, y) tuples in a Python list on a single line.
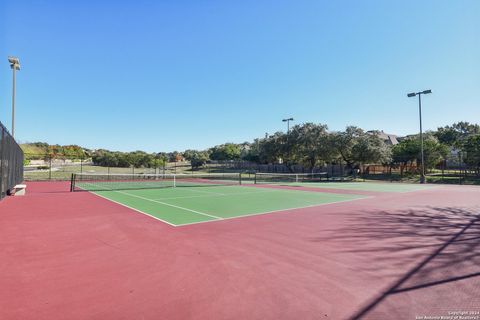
[(77, 256)]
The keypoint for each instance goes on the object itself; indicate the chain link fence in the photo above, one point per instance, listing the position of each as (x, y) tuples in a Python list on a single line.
[(45, 167), (11, 162)]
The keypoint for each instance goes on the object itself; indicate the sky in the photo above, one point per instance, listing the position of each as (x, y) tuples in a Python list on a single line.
[(175, 75)]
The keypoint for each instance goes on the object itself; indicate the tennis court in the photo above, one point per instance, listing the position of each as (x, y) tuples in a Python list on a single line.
[(320, 180), (386, 253), (181, 200)]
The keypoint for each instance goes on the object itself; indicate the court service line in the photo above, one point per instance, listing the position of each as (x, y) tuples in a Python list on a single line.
[(170, 205), (216, 195), (274, 211), (134, 209), (207, 192), (164, 203)]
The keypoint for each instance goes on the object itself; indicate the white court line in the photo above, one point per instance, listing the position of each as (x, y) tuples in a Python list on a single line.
[(160, 202), (168, 204), (216, 195), (220, 218), (131, 208), (274, 211), (203, 191)]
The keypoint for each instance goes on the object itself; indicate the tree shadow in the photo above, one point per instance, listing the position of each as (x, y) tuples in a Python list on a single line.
[(442, 244)]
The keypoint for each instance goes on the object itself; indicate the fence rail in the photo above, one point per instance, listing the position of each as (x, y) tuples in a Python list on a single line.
[(11, 162), (60, 167)]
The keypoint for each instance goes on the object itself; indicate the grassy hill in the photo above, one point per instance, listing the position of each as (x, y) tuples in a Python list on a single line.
[(39, 150), (33, 149)]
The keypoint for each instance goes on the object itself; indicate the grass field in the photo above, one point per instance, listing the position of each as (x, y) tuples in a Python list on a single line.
[(187, 205)]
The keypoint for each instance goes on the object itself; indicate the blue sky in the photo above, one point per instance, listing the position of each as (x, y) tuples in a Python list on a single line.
[(172, 75)]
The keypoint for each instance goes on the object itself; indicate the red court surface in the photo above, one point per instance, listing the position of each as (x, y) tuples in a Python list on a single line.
[(390, 256)]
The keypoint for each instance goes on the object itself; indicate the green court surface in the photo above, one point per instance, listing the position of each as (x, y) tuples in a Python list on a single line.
[(187, 205), (364, 186)]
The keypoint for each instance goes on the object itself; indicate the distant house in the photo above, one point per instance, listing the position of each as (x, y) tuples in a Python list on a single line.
[(388, 138)]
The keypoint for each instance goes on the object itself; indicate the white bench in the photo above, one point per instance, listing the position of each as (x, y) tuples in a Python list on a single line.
[(19, 190)]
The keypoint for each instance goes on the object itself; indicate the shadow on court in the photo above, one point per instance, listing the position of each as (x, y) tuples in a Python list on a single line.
[(434, 253)]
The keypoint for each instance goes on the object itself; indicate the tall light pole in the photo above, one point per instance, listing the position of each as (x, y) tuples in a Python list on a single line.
[(419, 94), (288, 123), (15, 65)]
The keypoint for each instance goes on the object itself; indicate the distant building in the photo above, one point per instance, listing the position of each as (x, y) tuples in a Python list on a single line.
[(388, 138)]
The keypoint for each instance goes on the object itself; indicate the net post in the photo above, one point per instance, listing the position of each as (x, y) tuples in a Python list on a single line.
[(240, 178), (174, 181), (255, 178), (72, 182)]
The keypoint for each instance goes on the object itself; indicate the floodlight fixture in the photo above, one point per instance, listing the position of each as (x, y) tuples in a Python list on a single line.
[(14, 62), (287, 120), (15, 65)]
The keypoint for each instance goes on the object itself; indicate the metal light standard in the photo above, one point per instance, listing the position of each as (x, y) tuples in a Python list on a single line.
[(419, 94), (288, 123), (288, 133), (15, 65)]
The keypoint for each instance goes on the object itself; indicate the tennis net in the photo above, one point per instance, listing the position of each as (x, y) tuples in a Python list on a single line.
[(103, 182), (273, 178)]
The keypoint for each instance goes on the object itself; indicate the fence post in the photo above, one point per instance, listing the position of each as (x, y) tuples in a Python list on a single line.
[(2, 147), (444, 164), (342, 169)]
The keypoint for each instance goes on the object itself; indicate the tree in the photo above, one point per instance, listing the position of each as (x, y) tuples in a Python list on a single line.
[(456, 134), (357, 147), (409, 150), (196, 158), (174, 156), (159, 161), (434, 152), (472, 150), (252, 152), (227, 151), (272, 148), (405, 152), (109, 160), (310, 143), (370, 148)]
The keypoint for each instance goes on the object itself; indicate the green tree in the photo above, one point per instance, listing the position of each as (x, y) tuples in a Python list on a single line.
[(309, 144), (472, 150), (227, 151), (357, 147), (174, 156), (159, 161), (409, 150), (109, 160), (272, 148), (196, 158), (456, 134), (251, 152)]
